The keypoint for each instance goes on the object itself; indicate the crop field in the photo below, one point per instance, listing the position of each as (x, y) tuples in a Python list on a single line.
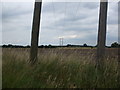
[(59, 68)]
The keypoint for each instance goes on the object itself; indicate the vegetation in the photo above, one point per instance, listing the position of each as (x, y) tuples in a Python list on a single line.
[(115, 44), (59, 68)]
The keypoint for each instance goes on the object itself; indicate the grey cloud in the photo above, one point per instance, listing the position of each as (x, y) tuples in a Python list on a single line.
[(90, 40), (119, 12), (58, 19), (13, 9), (81, 18), (62, 7), (91, 5), (16, 23), (113, 13)]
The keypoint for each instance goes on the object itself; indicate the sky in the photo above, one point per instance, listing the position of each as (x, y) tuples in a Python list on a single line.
[(76, 22)]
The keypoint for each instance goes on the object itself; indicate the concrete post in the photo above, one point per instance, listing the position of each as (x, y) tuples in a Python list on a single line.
[(35, 32), (102, 29), (118, 42)]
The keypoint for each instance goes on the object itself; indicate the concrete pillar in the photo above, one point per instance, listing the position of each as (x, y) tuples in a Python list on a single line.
[(102, 29), (35, 32), (118, 42)]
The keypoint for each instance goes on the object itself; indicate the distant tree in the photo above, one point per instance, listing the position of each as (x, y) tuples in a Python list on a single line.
[(49, 45), (69, 45), (4, 46), (46, 46), (27, 46), (42, 46), (10, 45), (115, 44), (85, 45)]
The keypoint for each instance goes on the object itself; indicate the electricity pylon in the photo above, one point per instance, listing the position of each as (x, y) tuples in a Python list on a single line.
[(61, 41)]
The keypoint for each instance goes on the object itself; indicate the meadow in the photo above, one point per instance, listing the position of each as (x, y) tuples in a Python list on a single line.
[(59, 68)]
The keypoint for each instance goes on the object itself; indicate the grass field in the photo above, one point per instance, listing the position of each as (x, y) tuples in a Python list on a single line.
[(59, 68)]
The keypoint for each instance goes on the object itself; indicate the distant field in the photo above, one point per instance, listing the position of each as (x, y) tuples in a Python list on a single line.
[(59, 68)]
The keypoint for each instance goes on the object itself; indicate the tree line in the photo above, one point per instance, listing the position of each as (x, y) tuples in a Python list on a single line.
[(113, 45)]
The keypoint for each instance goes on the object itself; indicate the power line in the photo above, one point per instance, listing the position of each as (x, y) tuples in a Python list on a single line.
[(77, 8), (65, 12), (53, 10)]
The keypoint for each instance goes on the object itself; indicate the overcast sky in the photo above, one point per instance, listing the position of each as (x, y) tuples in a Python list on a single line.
[(76, 22)]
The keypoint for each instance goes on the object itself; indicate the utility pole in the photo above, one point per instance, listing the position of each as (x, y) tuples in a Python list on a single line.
[(35, 32), (102, 30)]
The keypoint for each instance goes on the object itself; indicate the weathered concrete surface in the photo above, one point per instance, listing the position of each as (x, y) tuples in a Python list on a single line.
[(35, 32)]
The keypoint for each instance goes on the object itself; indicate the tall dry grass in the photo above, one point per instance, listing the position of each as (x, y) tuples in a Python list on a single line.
[(58, 68)]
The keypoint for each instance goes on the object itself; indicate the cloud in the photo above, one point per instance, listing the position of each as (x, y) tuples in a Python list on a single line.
[(113, 13), (76, 22), (16, 23), (82, 22)]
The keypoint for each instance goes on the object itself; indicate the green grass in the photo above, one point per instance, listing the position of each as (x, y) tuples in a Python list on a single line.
[(57, 70)]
